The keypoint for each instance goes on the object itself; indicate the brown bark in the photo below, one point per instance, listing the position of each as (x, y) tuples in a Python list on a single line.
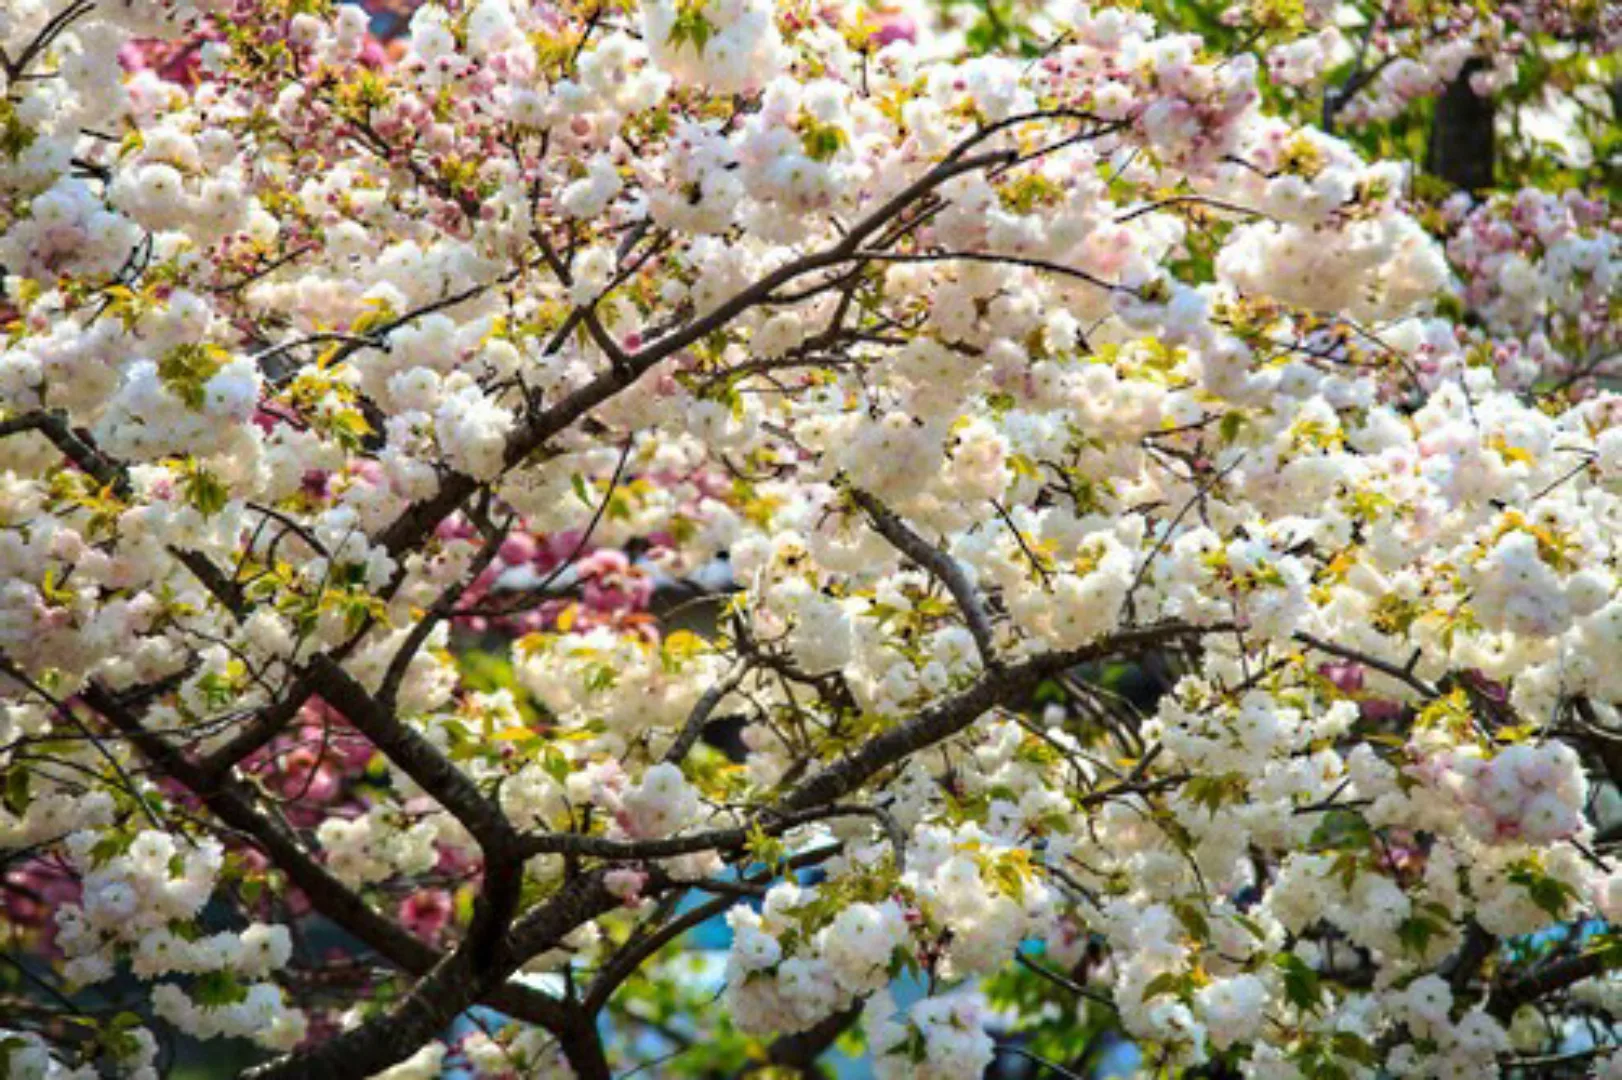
[(1462, 139)]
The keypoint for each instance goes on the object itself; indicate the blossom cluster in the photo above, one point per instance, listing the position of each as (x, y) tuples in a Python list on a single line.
[(1541, 270), (356, 418)]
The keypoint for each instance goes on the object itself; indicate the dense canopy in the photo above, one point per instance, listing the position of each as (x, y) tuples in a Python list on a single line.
[(1060, 524)]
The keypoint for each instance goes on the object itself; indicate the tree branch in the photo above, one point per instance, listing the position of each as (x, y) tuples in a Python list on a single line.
[(417, 758), (1503, 1002), (702, 709), (952, 715), (945, 569), (233, 804), (1384, 667), (480, 964)]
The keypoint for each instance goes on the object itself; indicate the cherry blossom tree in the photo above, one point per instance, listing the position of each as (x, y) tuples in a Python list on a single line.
[(604, 468)]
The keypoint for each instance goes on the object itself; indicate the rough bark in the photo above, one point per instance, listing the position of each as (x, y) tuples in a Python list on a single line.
[(1462, 140)]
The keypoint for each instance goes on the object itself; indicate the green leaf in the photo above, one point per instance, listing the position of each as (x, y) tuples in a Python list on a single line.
[(822, 142), (1302, 987), (556, 763), (1417, 932), (186, 369), (205, 492), (1608, 947), (1342, 828), (1213, 792), (1547, 892), (691, 25), (1251, 925), (214, 989), (15, 136), (1008, 879), (109, 847), (1193, 920), (8, 1046), (1355, 1047), (1163, 984), (17, 794)]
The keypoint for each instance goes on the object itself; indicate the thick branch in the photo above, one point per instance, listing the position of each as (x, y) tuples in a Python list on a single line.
[(952, 715), (1374, 663), (1556, 977), (631, 956), (231, 802), (945, 569), (817, 798), (1461, 149), (421, 518), (77, 447), (702, 709), (401, 662), (266, 724), (234, 805), (774, 823), (799, 1052), (455, 983), (417, 757)]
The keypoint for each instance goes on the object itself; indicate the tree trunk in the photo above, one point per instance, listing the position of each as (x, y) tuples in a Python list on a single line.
[(1462, 137), (583, 1048)]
